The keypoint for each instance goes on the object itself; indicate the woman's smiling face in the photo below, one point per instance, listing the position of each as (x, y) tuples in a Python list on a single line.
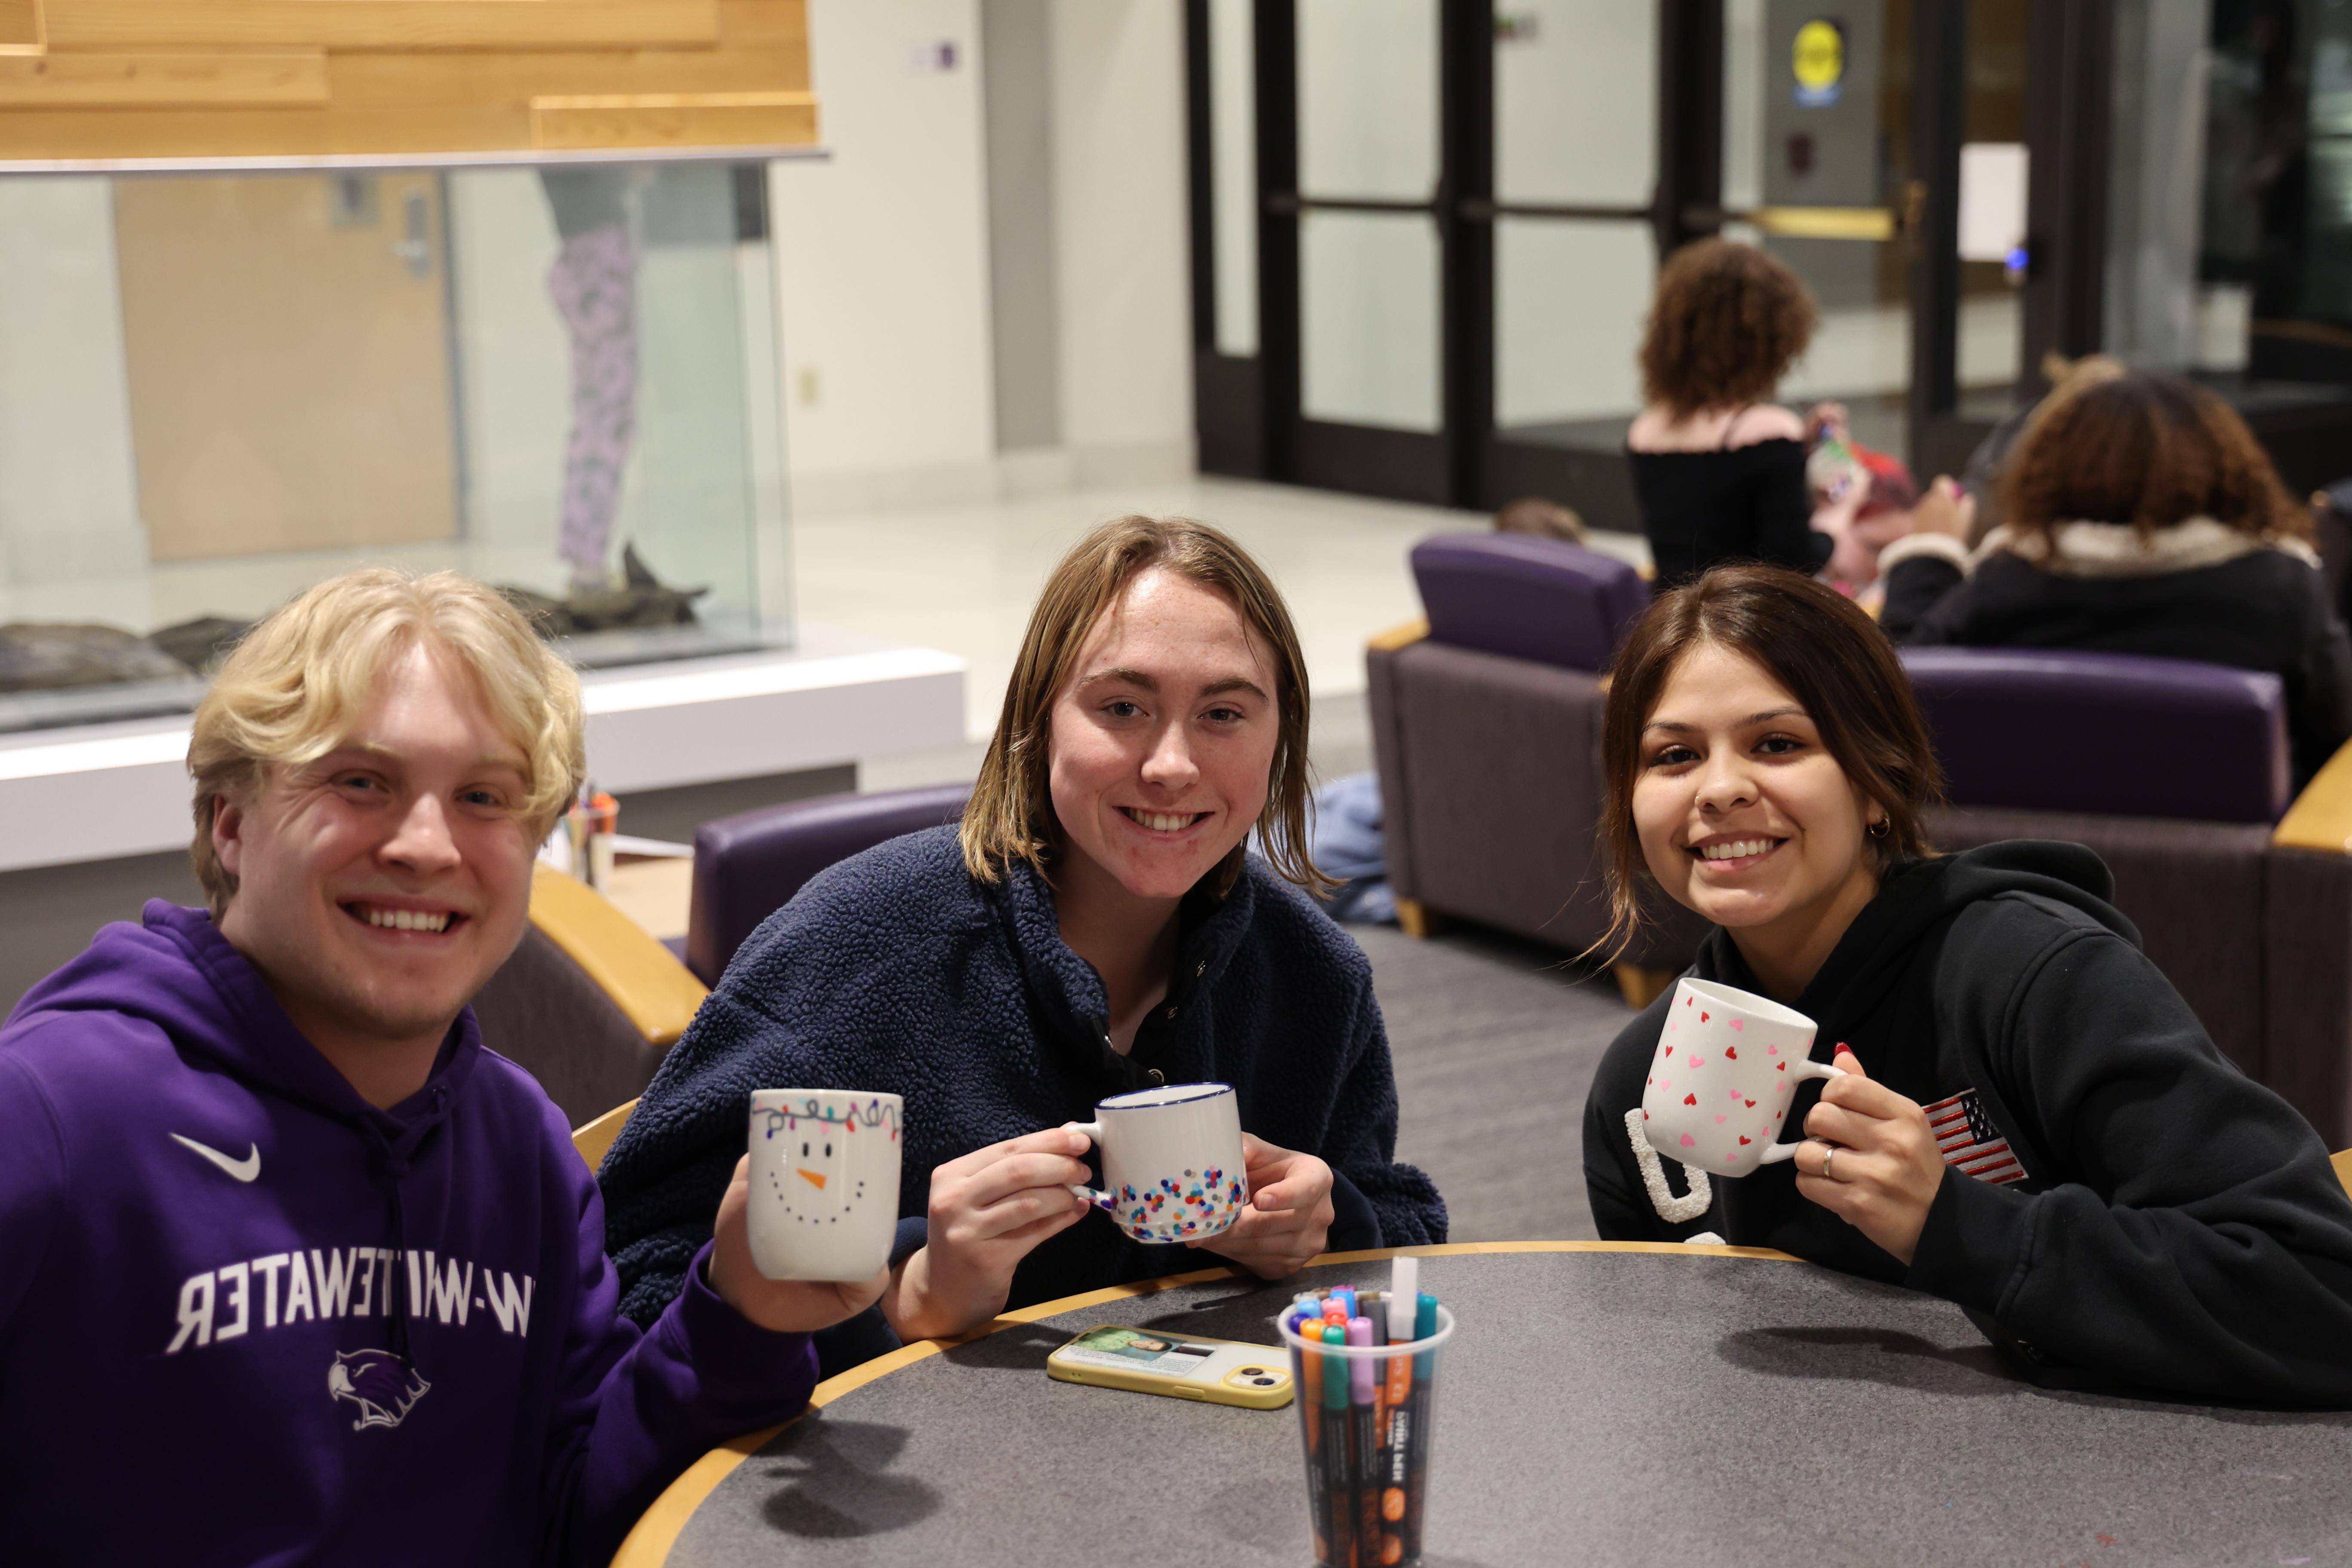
[(1163, 749), (1742, 813)]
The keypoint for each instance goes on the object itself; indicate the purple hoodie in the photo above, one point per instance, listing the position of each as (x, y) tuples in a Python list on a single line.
[(212, 1250)]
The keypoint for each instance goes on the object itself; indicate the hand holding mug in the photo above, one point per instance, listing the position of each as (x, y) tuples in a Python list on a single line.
[(783, 1306), (988, 1210), (1874, 1164), (1288, 1219)]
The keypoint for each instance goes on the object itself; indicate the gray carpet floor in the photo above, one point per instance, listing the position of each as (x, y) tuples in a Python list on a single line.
[(1494, 1044)]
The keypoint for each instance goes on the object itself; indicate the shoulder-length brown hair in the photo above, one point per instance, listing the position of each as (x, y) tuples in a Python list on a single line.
[(2148, 450), (1011, 813), (1726, 323), (1813, 640)]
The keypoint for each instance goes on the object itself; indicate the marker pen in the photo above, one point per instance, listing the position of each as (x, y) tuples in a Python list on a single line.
[(1424, 1379), (1363, 1381), (1339, 1476), (1310, 1411)]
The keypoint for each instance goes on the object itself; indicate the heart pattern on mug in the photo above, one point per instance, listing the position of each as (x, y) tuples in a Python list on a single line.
[(1731, 1053), (1690, 1099), (1740, 1023)]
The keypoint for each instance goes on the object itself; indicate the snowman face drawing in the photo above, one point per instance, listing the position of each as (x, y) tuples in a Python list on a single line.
[(812, 1181), (827, 1163)]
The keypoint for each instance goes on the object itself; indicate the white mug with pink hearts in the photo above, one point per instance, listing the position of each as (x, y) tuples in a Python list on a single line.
[(1727, 1071)]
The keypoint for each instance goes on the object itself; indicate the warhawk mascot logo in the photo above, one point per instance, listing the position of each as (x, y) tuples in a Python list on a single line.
[(384, 1390)]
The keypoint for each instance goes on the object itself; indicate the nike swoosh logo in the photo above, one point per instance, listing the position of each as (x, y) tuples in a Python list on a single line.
[(243, 1170)]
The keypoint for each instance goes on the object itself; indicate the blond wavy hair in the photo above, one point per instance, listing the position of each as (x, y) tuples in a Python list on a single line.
[(1011, 813), (294, 685)]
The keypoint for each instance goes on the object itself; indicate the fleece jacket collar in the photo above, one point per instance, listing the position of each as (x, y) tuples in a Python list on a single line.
[(2122, 550), (1072, 994)]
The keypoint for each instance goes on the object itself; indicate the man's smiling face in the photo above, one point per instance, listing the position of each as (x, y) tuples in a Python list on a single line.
[(379, 887), (1163, 749)]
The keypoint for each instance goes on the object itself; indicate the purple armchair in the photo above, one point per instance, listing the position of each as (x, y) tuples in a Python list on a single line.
[(1486, 732), (747, 867)]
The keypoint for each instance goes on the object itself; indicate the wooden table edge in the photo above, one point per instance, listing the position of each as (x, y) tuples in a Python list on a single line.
[(657, 1531)]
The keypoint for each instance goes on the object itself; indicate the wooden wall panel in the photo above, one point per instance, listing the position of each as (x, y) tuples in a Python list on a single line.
[(112, 80), (153, 82), (386, 25), (20, 27)]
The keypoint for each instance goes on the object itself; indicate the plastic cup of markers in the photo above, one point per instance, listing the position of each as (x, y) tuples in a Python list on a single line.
[(1367, 1422)]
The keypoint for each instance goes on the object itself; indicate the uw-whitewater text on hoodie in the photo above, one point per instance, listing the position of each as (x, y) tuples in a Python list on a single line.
[(247, 1318)]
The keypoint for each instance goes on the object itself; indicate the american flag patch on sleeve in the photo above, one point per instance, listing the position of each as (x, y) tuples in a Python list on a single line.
[(1965, 1137)]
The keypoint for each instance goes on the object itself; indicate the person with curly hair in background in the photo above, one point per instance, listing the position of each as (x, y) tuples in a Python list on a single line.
[(1719, 470), (2142, 518)]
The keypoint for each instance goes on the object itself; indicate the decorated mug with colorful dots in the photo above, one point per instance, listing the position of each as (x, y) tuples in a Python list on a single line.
[(824, 1182), (1724, 1075), (1172, 1160)]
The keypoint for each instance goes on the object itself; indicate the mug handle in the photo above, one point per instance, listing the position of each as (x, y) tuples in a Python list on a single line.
[(1805, 1069), (1094, 1131)]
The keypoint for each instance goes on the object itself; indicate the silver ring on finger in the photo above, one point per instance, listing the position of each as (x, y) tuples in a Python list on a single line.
[(1829, 1152)]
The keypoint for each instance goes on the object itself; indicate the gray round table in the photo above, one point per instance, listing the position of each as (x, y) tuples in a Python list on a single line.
[(1599, 1403)]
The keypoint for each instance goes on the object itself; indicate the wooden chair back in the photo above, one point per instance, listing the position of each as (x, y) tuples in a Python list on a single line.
[(597, 1136)]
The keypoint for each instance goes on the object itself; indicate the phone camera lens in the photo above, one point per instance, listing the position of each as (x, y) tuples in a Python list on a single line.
[(1253, 1372), (1263, 1382)]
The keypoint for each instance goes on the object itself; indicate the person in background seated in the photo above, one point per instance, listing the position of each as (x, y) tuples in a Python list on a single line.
[(1980, 478), (1540, 517), (1718, 470), (325, 1275), (1096, 925), (2143, 519), (2098, 1186)]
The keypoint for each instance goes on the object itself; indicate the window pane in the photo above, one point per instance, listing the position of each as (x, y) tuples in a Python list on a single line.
[(1569, 304), (1233, 172), (1576, 111), (1367, 318), (1368, 99)]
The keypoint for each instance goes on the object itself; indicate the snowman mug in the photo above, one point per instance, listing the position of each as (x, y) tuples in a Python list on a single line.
[(1172, 1165), (824, 1182), (1726, 1071)]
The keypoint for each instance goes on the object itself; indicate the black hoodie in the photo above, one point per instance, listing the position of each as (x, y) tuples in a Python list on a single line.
[(2176, 1225)]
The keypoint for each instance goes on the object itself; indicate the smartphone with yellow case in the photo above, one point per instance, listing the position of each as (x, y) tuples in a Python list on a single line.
[(1182, 1366)]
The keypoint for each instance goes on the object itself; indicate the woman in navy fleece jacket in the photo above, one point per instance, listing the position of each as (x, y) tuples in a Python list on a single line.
[(1097, 925)]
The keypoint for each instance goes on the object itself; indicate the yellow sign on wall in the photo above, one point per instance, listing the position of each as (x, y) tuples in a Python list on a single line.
[(1818, 58)]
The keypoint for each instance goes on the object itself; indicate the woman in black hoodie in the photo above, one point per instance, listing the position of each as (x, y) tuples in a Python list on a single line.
[(2143, 517), (2033, 1125)]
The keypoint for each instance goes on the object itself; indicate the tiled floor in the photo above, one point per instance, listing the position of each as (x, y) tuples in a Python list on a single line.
[(963, 578)]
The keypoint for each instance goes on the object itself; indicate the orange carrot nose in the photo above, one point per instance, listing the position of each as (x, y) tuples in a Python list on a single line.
[(813, 1179)]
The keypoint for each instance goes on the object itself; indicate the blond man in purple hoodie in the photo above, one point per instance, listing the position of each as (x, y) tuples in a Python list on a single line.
[(273, 1220)]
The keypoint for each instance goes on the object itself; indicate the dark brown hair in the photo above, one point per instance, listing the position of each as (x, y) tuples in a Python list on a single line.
[(1813, 640), (1726, 323), (2148, 450), (1011, 813)]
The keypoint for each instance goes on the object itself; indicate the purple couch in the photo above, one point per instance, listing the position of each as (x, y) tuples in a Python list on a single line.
[(1486, 732)]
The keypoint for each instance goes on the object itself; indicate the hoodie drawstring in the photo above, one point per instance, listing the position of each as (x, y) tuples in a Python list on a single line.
[(397, 1326)]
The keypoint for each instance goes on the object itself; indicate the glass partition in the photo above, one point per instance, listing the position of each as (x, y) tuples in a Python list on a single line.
[(216, 389)]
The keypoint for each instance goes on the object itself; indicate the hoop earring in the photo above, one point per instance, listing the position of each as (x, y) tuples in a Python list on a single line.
[(1881, 827)]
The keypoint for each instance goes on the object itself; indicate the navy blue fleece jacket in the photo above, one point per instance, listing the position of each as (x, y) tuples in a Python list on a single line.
[(897, 971)]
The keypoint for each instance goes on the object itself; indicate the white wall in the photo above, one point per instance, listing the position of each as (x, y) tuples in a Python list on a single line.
[(1124, 257), (883, 257), (882, 263)]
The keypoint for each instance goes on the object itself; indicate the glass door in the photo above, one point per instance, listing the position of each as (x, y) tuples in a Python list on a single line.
[(1371, 412), (1575, 167)]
